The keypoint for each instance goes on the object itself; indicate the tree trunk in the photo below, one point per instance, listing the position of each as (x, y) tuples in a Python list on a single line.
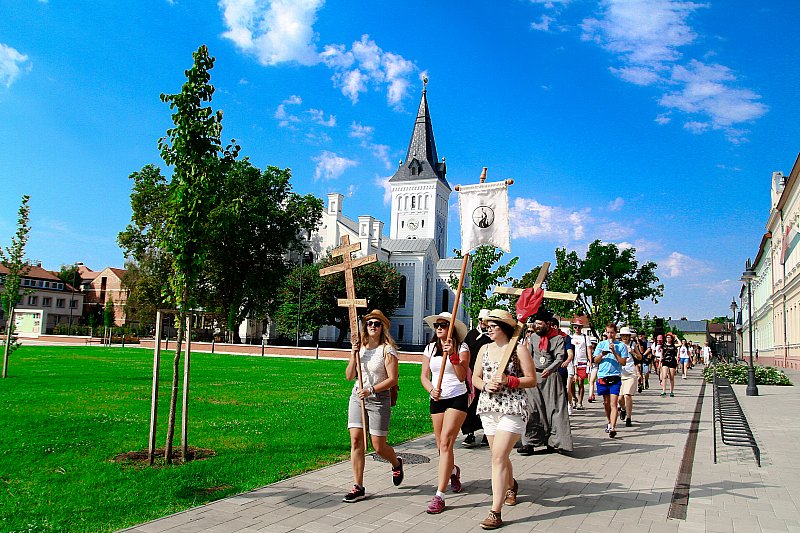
[(7, 345), (173, 400)]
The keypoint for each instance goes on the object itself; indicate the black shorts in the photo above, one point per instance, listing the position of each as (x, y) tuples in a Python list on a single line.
[(669, 364), (459, 403)]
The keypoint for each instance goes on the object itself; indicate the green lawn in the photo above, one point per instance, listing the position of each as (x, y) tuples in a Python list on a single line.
[(66, 412)]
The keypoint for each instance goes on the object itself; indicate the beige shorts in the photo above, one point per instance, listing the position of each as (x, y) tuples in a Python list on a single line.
[(494, 422), (628, 385)]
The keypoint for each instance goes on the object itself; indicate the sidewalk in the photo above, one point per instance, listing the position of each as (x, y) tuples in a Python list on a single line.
[(624, 484)]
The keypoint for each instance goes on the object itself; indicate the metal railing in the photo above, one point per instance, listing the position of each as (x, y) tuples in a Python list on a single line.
[(728, 414)]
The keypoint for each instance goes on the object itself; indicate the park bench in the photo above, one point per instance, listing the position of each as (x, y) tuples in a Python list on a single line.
[(733, 426), (94, 340)]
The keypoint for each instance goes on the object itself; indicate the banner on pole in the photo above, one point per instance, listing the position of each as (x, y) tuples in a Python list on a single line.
[(484, 216)]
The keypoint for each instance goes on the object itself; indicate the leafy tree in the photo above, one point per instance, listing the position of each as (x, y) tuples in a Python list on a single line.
[(69, 275), (256, 220), (108, 313), (721, 320), (475, 291), (13, 259), (193, 149), (378, 282), (608, 281), (144, 280)]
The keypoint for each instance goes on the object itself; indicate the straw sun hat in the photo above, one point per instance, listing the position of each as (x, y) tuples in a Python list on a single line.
[(459, 326)]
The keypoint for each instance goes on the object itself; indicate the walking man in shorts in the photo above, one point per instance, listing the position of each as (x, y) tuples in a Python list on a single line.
[(610, 355), (580, 342)]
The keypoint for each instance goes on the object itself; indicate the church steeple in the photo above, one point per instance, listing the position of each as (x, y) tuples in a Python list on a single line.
[(422, 161)]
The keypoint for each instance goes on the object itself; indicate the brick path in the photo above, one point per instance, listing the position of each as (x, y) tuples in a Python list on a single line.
[(606, 485)]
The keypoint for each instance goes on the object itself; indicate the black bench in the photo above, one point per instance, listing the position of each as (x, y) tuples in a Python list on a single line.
[(733, 426)]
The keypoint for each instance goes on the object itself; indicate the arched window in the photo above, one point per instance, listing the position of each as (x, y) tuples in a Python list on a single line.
[(413, 201), (428, 291), (403, 287), (445, 300)]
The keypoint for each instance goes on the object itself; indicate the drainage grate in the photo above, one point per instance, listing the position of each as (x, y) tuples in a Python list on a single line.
[(408, 458)]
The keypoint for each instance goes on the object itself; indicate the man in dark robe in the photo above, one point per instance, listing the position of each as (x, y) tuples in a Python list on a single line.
[(548, 424)]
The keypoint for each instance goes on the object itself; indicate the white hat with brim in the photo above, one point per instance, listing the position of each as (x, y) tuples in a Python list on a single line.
[(483, 314), (625, 330), (460, 328)]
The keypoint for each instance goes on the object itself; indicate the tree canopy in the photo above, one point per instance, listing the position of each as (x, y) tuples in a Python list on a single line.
[(378, 282), (486, 272)]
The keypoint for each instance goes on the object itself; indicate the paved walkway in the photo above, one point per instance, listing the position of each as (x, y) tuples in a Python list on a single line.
[(624, 484)]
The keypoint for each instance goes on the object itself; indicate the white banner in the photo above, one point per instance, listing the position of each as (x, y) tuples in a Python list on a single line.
[(484, 216)]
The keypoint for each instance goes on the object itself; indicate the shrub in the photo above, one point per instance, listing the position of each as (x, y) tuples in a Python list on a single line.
[(737, 374)]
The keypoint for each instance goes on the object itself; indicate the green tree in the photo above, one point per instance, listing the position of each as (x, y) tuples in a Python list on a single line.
[(69, 275), (193, 149), (144, 280), (257, 219), (609, 283), (13, 261), (487, 272), (378, 282), (108, 313)]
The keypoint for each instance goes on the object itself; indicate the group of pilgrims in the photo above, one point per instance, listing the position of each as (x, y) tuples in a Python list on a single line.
[(526, 405)]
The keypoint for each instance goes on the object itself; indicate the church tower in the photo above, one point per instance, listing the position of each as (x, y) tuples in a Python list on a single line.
[(420, 192)]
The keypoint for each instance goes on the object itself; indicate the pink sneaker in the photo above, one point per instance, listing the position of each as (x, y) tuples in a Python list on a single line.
[(455, 480), (436, 505)]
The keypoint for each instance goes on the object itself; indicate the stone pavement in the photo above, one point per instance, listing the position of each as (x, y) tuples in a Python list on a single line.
[(624, 484)]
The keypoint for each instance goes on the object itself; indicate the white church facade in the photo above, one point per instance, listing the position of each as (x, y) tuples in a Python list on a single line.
[(417, 242)]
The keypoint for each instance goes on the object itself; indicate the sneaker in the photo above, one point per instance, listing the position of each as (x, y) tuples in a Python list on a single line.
[(455, 480), (671, 394), (397, 473), (608, 428), (612, 432), (580, 407), (628, 423), (569, 410), (493, 521), (355, 495), (436, 505), (623, 413), (646, 384), (484, 441), (511, 494), (640, 388), (663, 394), (591, 399), (525, 449), (469, 442)]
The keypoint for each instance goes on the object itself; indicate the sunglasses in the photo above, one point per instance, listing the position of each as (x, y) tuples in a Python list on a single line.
[(440, 325), (492, 326), (374, 323)]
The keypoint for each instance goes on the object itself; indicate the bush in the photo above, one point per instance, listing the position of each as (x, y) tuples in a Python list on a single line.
[(737, 374)]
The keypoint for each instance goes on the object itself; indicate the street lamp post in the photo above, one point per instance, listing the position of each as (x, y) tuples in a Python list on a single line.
[(748, 276), (733, 329)]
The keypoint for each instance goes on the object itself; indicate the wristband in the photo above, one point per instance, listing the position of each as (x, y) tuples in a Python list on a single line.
[(372, 391), (455, 359), (512, 382)]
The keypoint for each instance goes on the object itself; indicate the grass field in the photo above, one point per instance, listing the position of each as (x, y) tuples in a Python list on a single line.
[(66, 412)]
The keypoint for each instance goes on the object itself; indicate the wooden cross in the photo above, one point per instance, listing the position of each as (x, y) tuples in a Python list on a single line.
[(552, 295), (352, 303)]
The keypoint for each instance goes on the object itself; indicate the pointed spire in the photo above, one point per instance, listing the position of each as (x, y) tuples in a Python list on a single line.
[(422, 161)]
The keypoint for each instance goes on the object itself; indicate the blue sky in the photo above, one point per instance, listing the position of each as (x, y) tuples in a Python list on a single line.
[(654, 124)]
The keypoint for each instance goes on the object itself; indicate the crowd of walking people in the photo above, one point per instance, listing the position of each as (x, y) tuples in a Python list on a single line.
[(527, 404)]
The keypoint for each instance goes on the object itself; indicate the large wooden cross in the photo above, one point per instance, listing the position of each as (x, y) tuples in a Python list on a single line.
[(352, 303), (551, 295)]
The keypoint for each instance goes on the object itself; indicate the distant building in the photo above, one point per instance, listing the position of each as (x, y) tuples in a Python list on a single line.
[(417, 243), (46, 302), (695, 331), (100, 287), (723, 337)]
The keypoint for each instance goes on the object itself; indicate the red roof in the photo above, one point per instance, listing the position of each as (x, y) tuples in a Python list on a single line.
[(35, 272)]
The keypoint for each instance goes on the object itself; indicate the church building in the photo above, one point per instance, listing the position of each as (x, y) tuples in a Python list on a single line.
[(417, 243)]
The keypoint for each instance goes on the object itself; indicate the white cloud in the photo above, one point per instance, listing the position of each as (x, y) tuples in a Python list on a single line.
[(533, 220), (293, 100), (663, 118), (274, 31), (318, 116), (647, 36), (360, 131), (550, 4), (367, 64), (617, 204), (678, 264), (284, 117), (331, 166), (543, 24), (387, 189), (12, 62)]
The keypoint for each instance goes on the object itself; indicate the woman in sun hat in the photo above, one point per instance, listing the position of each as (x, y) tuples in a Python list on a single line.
[(378, 354), (504, 407), (448, 404)]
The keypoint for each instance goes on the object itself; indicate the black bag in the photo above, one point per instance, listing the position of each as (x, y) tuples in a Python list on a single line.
[(612, 380)]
